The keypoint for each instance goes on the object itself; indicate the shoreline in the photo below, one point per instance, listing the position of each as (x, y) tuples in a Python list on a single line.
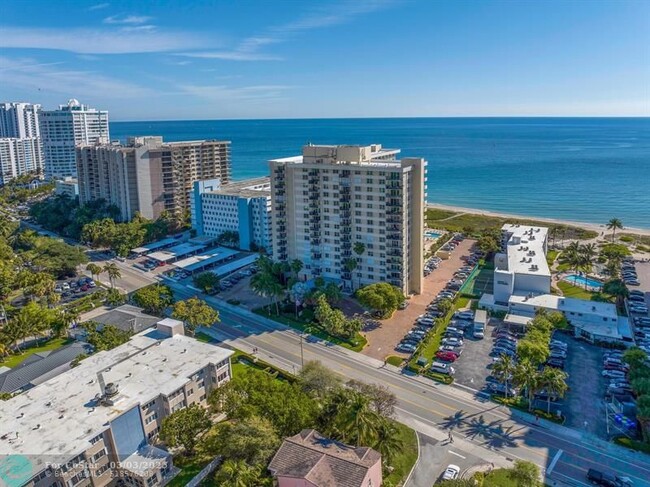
[(587, 226)]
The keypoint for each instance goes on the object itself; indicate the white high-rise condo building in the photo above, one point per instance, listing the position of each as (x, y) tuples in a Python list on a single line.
[(333, 197), (63, 129), (20, 143)]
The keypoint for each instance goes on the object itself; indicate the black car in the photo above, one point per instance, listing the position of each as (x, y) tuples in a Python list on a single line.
[(557, 363), (597, 477)]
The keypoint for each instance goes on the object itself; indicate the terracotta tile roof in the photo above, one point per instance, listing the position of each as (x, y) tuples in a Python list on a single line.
[(322, 461)]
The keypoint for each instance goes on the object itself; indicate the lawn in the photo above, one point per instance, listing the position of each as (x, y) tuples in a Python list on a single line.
[(49, 345), (395, 360), (577, 292), (190, 467), (551, 256), (406, 457), (356, 344), (499, 478), (202, 337), (472, 223)]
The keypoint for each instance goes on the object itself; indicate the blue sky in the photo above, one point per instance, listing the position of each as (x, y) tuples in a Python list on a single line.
[(181, 59)]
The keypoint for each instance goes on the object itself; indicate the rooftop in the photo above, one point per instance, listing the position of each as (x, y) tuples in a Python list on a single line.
[(322, 461), (248, 188), (176, 252), (525, 250), (60, 416), (212, 256), (127, 318), (370, 155), (561, 303)]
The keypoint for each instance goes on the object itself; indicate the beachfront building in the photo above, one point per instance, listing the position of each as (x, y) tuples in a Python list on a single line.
[(67, 186), (243, 207), (148, 175), (521, 267), (19, 156), (63, 129), (99, 421), (332, 197), (20, 141)]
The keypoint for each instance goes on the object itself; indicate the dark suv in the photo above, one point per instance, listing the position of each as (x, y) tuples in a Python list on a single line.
[(607, 479)]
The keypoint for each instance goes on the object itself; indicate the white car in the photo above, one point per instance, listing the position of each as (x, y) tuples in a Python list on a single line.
[(451, 472)]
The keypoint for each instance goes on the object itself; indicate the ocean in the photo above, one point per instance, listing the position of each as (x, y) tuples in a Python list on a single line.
[(579, 169)]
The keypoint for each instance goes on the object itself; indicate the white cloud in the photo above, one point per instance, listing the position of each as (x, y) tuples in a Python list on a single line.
[(97, 41), (99, 6), (26, 73), (229, 93), (127, 19), (248, 49)]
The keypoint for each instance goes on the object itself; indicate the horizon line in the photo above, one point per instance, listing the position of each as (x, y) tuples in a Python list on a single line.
[(388, 118)]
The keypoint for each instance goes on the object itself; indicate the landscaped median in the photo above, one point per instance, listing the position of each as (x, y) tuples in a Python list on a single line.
[(355, 344), (428, 348), (521, 404)]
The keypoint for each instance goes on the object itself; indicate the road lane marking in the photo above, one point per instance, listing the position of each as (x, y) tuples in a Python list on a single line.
[(457, 454), (555, 459)]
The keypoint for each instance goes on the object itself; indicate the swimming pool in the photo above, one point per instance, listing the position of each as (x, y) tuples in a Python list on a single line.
[(432, 234), (582, 281)]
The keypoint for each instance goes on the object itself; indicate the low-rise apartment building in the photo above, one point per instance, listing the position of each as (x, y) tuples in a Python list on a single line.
[(243, 207), (521, 267), (67, 186), (99, 421), (332, 197), (148, 175)]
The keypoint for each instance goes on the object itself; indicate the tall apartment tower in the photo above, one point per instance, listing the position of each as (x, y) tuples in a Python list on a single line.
[(148, 175), (20, 142), (332, 197), (63, 129)]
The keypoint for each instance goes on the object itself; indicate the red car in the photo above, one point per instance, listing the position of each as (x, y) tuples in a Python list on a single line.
[(447, 356)]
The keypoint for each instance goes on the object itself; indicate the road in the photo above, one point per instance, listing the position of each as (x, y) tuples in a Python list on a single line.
[(481, 429)]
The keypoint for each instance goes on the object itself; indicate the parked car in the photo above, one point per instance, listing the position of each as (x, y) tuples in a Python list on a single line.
[(447, 356), (405, 347), (613, 373), (452, 341), (451, 472), (450, 348), (442, 368)]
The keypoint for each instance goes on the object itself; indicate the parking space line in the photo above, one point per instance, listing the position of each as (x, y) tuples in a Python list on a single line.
[(554, 462), (457, 454)]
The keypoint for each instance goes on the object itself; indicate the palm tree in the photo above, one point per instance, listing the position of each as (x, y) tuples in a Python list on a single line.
[(553, 381), (587, 257), (263, 284), (357, 421), (617, 288), (4, 349), (277, 292), (113, 272), (237, 473), (359, 248), (613, 225), (388, 442), (94, 269), (296, 266), (571, 256), (350, 265), (526, 376), (503, 369)]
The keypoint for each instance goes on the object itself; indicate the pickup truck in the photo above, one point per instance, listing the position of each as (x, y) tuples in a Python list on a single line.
[(607, 479)]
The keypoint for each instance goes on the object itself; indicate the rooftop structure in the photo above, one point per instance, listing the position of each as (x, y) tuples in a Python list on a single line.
[(110, 406), (333, 197), (521, 267), (242, 207), (206, 259), (39, 367), (127, 318), (176, 252), (309, 458)]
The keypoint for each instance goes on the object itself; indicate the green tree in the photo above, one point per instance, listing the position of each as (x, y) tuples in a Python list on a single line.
[(587, 257), (356, 421), (635, 357), (382, 400), (296, 267), (206, 281), (526, 474), (387, 441), (488, 244), (112, 271), (618, 290), (534, 351), (381, 296), (317, 380), (444, 305), (154, 299), (350, 265), (237, 474), (105, 337), (359, 248), (253, 440), (94, 269), (553, 381), (265, 284), (571, 256), (195, 312), (613, 225), (527, 377), (503, 370), (643, 415), (332, 292), (184, 427)]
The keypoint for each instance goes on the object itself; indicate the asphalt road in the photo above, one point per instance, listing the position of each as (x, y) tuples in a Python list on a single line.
[(481, 428)]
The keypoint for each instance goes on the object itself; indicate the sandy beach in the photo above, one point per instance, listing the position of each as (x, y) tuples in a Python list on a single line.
[(587, 226)]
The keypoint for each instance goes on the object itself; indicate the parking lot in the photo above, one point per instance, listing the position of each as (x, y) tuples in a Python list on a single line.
[(473, 365)]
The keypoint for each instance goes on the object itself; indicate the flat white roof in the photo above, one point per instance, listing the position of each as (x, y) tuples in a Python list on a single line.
[(517, 319), (176, 252), (154, 245), (206, 258), (236, 264), (525, 249), (55, 420), (570, 305)]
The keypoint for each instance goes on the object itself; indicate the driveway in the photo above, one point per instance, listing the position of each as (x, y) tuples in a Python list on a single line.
[(383, 339)]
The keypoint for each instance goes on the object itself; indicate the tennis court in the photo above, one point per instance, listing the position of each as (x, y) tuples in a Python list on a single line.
[(481, 282)]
